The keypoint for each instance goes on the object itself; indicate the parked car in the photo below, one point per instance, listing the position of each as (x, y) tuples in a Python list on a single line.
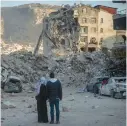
[(116, 87), (12, 84), (96, 80)]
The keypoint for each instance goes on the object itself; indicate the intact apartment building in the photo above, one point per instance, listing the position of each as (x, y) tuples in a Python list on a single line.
[(96, 26)]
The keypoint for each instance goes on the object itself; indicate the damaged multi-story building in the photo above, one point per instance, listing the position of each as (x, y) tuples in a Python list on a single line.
[(60, 32), (79, 27), (96, 26)]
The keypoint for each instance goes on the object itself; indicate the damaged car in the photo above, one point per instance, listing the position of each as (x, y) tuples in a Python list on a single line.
[(96, 81), (13, 85), (115, 87)]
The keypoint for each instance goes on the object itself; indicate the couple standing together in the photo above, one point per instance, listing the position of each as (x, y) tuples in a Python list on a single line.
[(48, 90)]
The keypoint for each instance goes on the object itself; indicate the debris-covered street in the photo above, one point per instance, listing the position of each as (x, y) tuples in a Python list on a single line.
[(71, 52), (76, 109)]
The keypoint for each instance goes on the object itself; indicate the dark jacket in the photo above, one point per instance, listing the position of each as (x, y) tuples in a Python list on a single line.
[(54, 90)]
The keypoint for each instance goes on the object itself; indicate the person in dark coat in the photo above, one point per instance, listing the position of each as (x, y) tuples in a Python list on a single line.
[(41, 101), (54, 90)]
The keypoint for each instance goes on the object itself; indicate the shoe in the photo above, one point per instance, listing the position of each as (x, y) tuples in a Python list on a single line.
[(57, 122), (52, 122)]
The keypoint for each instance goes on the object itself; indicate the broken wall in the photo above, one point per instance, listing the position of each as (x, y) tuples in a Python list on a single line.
[(62, 30)]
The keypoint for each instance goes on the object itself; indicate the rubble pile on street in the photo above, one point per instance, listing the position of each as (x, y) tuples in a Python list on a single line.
[(24, 65), (80, 69), (72, 70)]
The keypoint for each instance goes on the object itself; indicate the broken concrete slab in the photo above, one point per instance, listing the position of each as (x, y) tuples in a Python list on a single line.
[(7, 105), (65, 109)]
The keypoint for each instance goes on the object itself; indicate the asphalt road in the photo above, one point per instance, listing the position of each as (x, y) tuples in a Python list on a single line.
[(83, 110)]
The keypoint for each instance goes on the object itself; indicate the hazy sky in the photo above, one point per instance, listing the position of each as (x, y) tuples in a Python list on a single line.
[(120, 6)]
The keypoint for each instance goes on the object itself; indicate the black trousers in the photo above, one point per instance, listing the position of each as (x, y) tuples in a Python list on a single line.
[(42, 111)]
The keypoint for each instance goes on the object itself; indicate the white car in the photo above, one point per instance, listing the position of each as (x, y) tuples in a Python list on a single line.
[(115, 87)]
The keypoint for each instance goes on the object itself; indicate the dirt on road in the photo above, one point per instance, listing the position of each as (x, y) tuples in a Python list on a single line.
[(77, 109)]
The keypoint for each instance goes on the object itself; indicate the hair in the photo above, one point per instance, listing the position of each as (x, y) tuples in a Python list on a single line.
[(52, 75)]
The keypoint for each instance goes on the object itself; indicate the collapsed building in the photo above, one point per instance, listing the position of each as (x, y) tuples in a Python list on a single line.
[(75, 70), (61, 53), (81, 26), (60, 33)]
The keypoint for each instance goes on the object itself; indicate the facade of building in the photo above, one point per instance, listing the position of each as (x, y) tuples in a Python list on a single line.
[(118, 52), (96, 26), (119, 48)]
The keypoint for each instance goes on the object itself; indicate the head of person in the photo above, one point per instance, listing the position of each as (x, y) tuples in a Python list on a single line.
[(43, 80), (52, 75)]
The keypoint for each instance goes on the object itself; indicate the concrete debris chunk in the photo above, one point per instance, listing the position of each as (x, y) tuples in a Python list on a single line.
[(65, 109), (7, 104), (30, 106)]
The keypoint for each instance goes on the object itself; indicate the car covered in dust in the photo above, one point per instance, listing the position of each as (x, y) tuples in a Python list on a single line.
[(116, 87), (98, 81), (13, 84)]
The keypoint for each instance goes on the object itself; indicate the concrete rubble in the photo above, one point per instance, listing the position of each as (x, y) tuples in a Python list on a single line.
[(74, 70), (7, 105), (22, 64)]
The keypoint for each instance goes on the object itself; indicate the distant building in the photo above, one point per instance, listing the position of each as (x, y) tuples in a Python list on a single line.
[(119, 48), (96, 26)]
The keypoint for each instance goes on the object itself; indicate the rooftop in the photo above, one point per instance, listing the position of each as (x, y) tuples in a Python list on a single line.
[(104, 6)]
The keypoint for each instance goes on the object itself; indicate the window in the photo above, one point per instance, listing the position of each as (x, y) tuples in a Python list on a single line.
[(101, 40), (84, 39), (93, 20), (84, 20), (101, 20), (93, 40), (93, 30), (101, 30), (84, 10), (109, 81), (120, 80), (76, 12), (84, 30)]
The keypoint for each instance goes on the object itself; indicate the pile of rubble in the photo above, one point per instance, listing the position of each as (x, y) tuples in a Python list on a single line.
[(25, 66), (73, 70), (78, 70)]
